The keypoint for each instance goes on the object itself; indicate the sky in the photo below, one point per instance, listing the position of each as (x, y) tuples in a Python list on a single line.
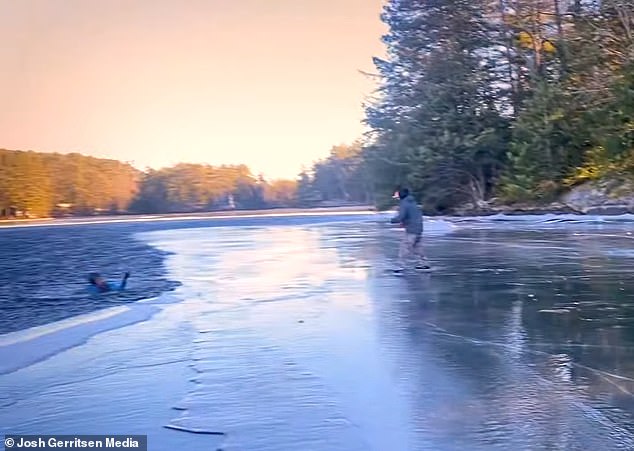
[(273, 84)]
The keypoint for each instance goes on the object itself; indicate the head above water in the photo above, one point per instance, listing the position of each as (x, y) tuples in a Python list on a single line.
[(95, 278)]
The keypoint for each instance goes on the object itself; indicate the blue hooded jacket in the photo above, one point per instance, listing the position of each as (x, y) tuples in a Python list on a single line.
[(110, 286), (94, 289), (410, 215)]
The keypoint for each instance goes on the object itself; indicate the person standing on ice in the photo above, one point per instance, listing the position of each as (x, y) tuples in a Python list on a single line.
[(410, 217)]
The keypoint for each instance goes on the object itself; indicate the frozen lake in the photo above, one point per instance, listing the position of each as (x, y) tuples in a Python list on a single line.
[(293, 336)]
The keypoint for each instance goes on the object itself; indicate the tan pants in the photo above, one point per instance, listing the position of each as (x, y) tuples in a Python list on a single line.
[(411, 246)]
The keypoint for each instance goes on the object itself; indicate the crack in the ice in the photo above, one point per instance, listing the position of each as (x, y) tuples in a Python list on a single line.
[(193, 430), (590, 411), (535, 351)]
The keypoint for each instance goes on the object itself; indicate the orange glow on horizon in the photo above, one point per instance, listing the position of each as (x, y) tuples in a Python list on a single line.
[(269, 83)]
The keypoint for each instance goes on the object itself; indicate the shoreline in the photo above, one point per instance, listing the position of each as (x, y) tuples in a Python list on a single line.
[(508, 211), (605, 211), (77, 220)]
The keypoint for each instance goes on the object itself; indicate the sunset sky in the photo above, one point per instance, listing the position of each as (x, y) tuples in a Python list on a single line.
[(269, 83)]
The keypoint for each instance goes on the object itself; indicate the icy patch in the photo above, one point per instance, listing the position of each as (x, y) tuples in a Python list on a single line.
[(547, 219), (436, 227), (27, 347), (270, 327), (253, 392), (192, 217), (621, 253)]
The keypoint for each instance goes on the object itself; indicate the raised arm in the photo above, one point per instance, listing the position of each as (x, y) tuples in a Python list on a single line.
[(124, 281)]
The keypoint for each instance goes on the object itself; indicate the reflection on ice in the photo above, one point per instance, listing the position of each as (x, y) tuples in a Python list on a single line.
[(254, 362), (313, 335)]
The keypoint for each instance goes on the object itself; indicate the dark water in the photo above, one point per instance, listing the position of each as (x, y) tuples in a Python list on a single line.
[(43, 270)]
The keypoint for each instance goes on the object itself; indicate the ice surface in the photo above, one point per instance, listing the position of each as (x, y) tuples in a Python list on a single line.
[(23, 348), (286, 338)]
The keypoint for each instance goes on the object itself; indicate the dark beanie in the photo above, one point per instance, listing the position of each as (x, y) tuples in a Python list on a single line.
[(403, 193)]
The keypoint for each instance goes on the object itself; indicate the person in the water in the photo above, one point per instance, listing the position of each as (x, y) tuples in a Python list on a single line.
[(100, 285)]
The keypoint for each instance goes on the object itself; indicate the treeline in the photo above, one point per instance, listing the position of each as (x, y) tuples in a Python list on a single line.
[(34, 184), (196, 187), (515, 100), (40, 184), (342, 176)]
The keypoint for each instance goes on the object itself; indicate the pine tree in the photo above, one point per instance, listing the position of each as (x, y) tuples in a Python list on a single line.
[(437, 124), (307, 194)]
